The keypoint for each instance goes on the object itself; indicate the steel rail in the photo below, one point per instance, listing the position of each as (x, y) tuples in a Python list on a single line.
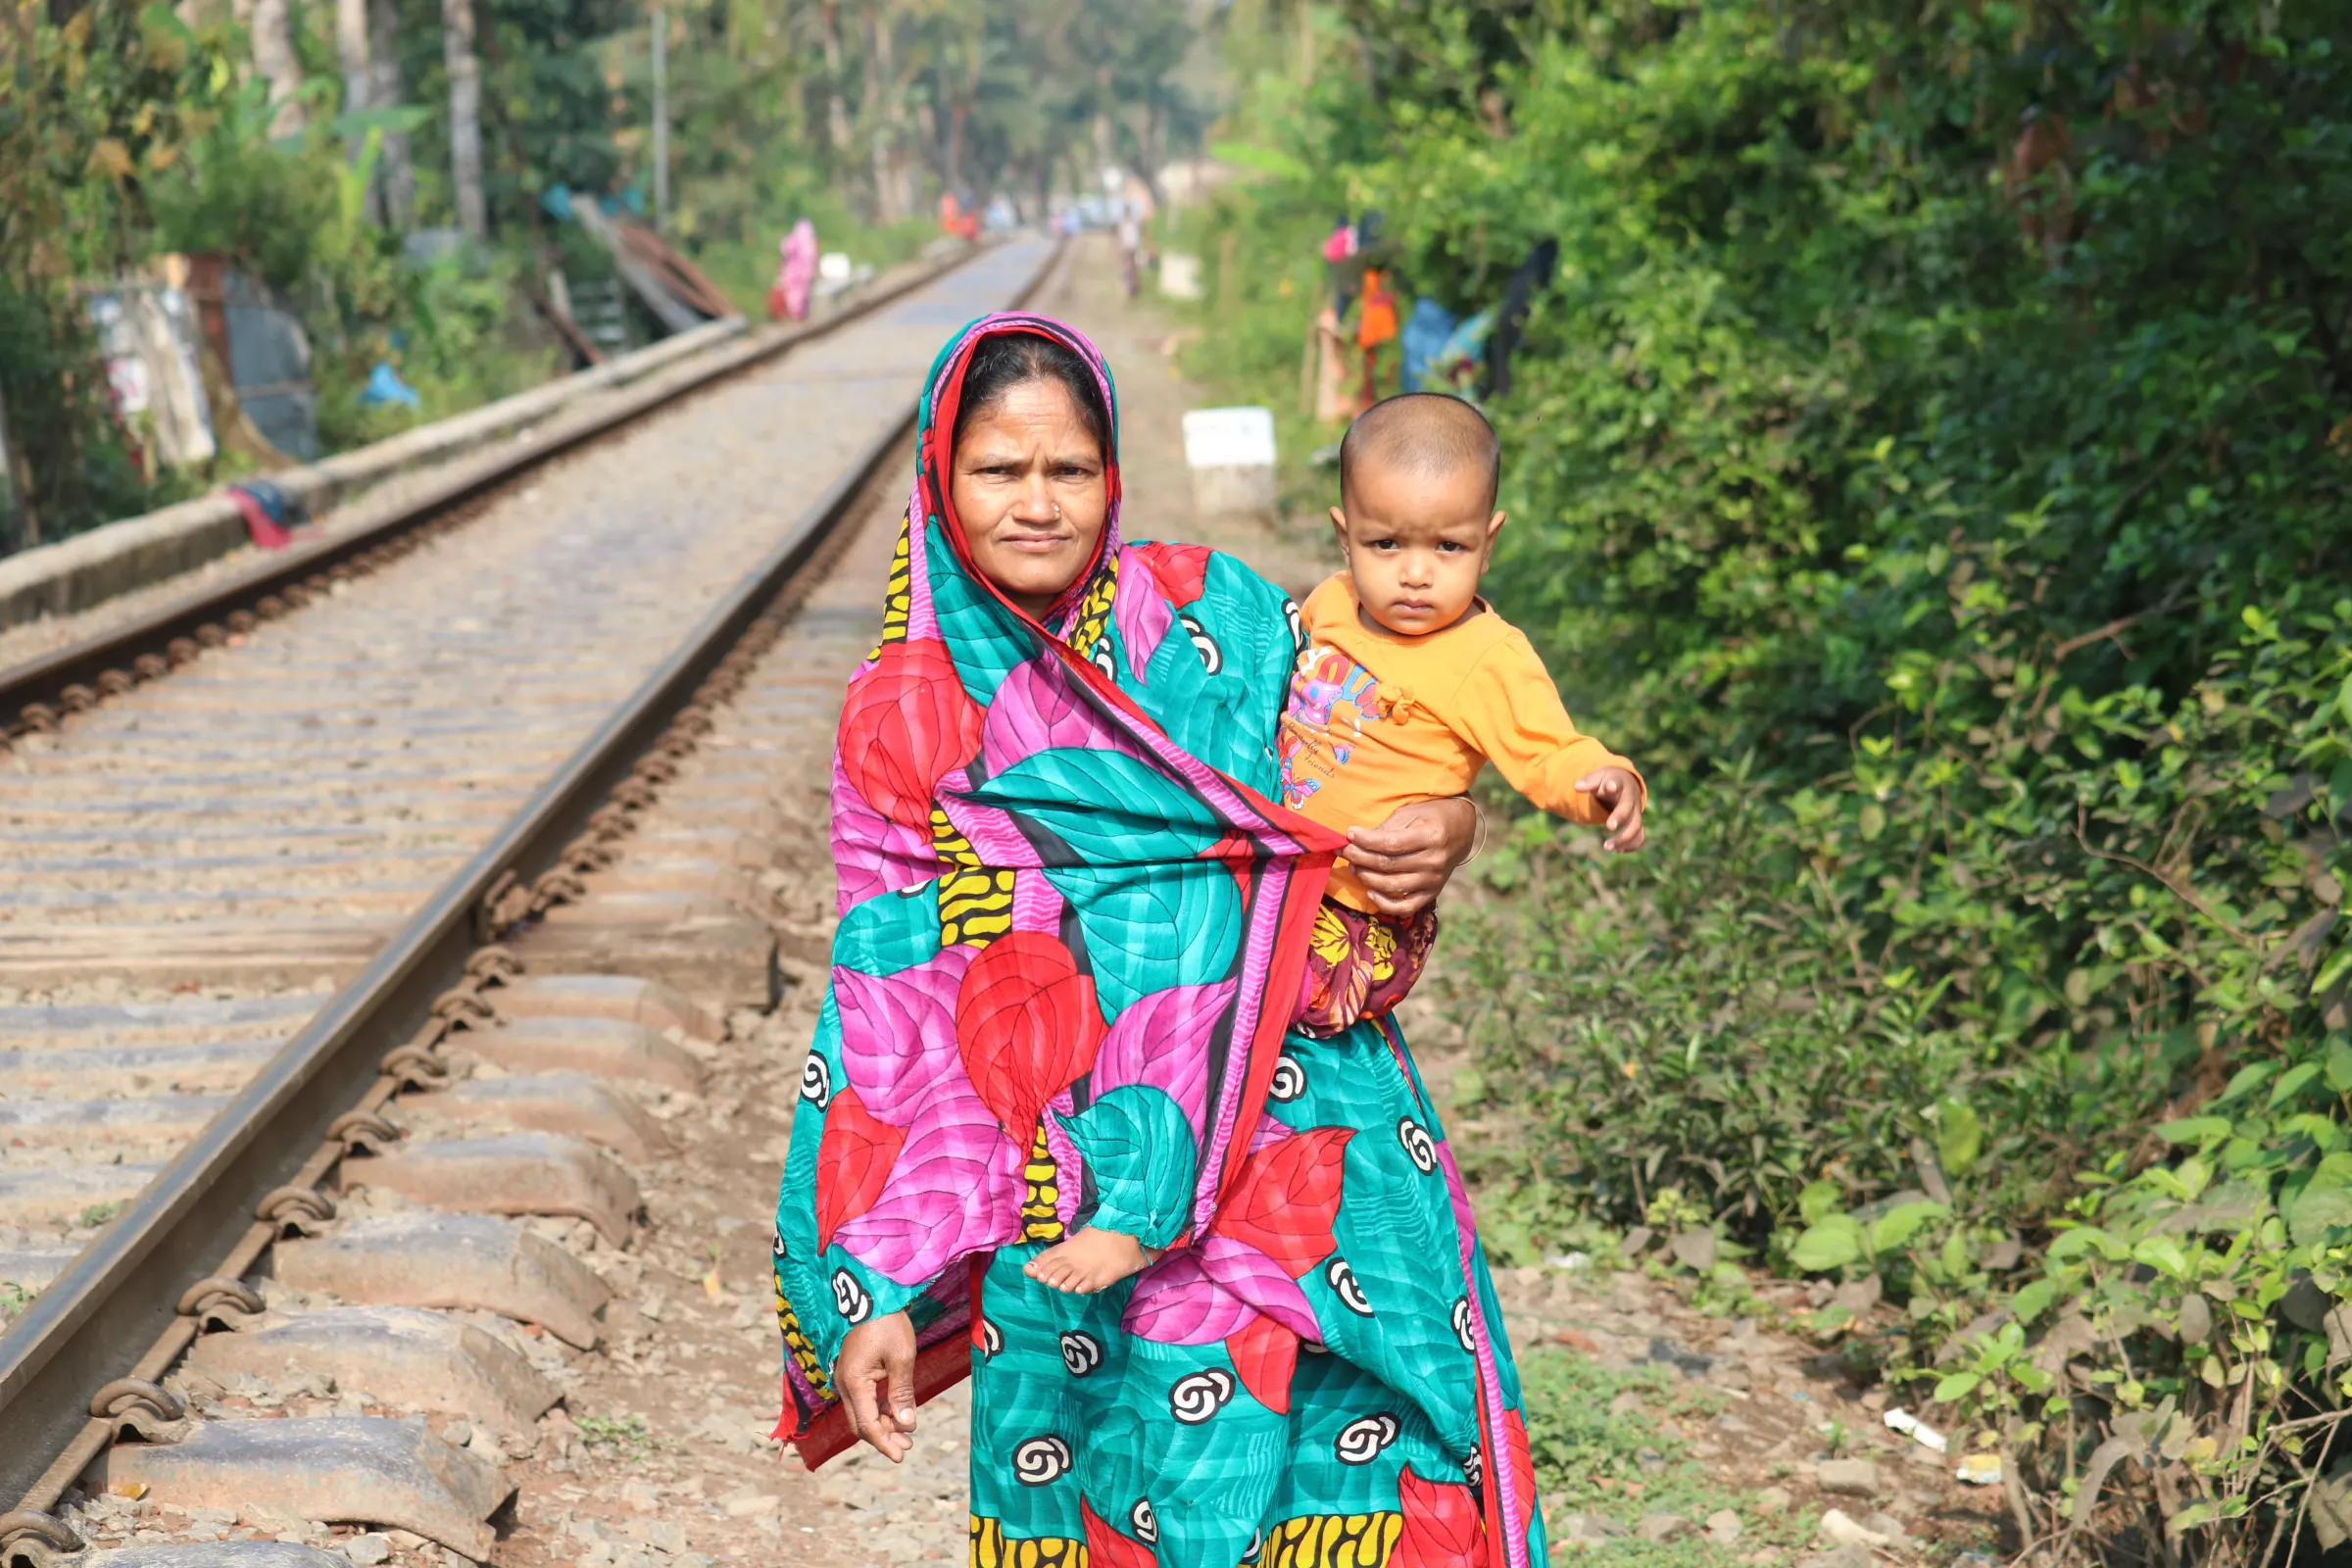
[(123, 1292), (32, 692)]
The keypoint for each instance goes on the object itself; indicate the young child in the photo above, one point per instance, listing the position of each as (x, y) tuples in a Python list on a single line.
[(1411, 684)]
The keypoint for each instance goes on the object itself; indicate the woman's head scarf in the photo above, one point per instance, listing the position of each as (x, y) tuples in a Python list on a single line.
[(1073, 924)]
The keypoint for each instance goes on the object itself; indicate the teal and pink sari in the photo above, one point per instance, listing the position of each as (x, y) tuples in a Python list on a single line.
[(1074, 934)]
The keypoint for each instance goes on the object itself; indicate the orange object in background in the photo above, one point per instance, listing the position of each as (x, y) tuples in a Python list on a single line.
[(953, 219), (1377, 322), (1375, 325)]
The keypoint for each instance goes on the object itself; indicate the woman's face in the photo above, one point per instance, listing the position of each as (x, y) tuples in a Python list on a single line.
[(1030, 485)]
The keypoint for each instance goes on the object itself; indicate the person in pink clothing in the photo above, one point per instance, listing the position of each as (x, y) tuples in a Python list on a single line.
[(796, 274)]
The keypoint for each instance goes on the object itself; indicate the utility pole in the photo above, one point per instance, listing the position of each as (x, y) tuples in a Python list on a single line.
[(661, 119)]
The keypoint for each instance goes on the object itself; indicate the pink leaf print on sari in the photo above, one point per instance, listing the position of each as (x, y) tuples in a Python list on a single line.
[(956, 1189), (1143, 615), (1212, 1291), (1038, 708), (988, 829), (871, 854), (1177, 1303), (1163, 1040), (905, 1024)]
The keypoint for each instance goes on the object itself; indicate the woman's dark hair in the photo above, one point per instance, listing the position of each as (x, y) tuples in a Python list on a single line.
[(1000, 363)]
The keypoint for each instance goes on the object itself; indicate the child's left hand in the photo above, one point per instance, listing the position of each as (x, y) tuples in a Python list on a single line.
[(1619, 790)]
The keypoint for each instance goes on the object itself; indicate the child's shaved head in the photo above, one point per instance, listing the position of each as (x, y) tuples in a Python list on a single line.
[(1431, 434)]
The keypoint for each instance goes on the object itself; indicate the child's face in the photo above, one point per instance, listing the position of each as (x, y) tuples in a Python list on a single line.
[(1030, 487), (1415, 544)]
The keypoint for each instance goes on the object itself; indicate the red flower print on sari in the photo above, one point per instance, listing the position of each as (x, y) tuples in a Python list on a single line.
[(1027, 1025), (1441, 1525), (852, 1162), (1182, 569), (1265, 1354), (1105, 1547), (1288, 1198), (907, 723)]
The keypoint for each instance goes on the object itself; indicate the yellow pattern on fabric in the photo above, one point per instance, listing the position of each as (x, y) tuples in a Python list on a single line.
[(1329, 939), (975, 902), (1040, 1220), (950, 845), (1091, 631), (1335, 1541), (992, 1550), (975, 908), (897, 600), (804, 1353)]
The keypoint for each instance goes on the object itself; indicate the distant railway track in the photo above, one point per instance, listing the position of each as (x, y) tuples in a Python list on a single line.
[(400, 929)]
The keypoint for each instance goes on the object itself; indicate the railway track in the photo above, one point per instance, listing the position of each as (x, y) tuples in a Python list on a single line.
[(285, 1132)]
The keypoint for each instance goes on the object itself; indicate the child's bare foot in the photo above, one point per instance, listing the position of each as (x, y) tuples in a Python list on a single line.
[(1091, 1260)]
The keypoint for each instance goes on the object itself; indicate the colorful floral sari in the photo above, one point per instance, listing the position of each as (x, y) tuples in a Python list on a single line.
[(1074, 931)]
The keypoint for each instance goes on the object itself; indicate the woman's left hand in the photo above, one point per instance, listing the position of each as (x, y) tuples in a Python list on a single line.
[(1404, 862)]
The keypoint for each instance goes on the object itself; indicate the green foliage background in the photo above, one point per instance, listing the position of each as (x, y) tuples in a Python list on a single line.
[(1931, 462), (128, 131)]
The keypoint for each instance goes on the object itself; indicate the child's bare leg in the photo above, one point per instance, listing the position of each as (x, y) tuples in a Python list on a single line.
[(1091, 1260)]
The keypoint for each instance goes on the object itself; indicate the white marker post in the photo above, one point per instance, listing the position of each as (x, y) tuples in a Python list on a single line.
[(1231, 453)]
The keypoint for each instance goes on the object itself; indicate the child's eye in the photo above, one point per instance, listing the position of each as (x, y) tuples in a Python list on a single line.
[(1384, 544), (1445, 546)]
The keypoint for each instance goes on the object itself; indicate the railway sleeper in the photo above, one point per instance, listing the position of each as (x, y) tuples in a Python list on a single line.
[(513, 1173), (408, 1355), (608, 1047), (461, 1262), (340, 1469)]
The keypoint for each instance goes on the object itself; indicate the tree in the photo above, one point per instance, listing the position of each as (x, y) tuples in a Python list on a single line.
[(465, 116), (275, 57), (396, 180), (359, 84)]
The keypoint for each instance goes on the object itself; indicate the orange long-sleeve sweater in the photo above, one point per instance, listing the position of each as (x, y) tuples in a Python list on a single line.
[(1375, 722)]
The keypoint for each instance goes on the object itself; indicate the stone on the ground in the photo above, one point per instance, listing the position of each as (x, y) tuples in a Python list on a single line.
[(1662, 1526), (1723, 1526), (1771, 1500), (367, 1549), (1842, 1529), (1626, 1403), (1854, 1477), (1888, 1525), (1584, 1530)]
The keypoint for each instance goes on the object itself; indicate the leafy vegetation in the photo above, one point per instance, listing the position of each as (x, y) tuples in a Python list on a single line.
[(1927, 459), (129, 132)]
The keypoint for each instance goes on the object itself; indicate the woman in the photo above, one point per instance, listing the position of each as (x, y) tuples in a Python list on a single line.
[(795, 272), (1075, 927)]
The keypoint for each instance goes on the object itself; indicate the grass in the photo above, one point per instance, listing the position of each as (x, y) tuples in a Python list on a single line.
[(1621, 1467), (627, 1432)]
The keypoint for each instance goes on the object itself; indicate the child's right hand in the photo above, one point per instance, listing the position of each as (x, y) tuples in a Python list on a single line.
[(1619, 790)]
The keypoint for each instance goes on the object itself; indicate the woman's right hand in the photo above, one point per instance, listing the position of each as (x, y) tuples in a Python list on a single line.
[(1403, 862), (874, 1376)]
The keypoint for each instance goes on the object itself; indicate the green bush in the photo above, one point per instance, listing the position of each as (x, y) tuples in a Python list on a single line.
[(1930, 463)]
